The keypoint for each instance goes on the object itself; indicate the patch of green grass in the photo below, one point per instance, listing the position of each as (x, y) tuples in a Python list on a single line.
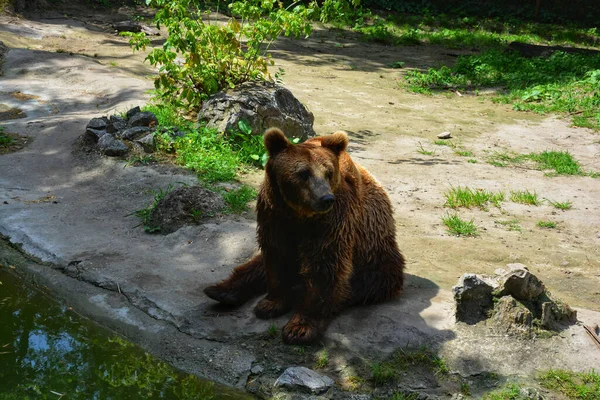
[(472, 161), (525, 197), (561, 82), (511, 225), (466, 197), (463, 153), (144, 213), (397, 64), (237, 199), (504, 158), (574, 385), (465, 389), (561, 205), (421, 150), (562, 162), (140, 160), (382, 373), (547, 224), (5, 140), (458, 226), (442, 142), (509, 392), (321, 359), (272, 331)]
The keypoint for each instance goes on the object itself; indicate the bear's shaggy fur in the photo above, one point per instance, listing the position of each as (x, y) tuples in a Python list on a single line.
[(326, 235)]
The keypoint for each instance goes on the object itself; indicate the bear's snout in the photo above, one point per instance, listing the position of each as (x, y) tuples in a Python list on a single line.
[(325, 202)]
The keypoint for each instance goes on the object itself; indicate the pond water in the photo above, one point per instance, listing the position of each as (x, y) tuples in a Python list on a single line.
[(47, 351)]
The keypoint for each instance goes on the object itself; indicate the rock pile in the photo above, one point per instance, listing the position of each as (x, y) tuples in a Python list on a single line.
[(513, 301), (116, 135)]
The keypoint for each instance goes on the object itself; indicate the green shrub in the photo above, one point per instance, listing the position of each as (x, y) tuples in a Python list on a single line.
[(201, 57)]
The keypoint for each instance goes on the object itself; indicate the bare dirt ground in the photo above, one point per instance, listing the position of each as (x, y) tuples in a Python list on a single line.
[(348, 85)]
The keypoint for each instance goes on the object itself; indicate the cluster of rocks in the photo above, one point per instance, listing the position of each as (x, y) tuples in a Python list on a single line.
[(262, 105), (116, 135), (513, 301)]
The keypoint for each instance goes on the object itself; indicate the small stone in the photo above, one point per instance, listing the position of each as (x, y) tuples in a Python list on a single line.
[(95, 134), (134, 133), (444, 135), (133, 111), (111, 146), (116, 124), (147, 143), (143, 119), (257, 369), (304, 379), (520, 283), (97, 123)]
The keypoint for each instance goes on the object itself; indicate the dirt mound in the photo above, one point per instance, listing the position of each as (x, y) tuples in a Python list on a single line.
[(184, 206)]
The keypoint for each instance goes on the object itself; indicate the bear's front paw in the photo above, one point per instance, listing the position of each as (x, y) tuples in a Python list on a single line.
[(224, 296), (299, 330), (267, 308)]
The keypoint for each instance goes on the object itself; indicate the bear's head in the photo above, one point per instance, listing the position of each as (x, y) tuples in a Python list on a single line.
[(305, 175)]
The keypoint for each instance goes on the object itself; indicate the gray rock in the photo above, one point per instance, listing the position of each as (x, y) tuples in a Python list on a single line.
[(111, 146), (146, 118), (556, 314), (512, 317), (134, 133), (130, 113), (147, 143), (263, 105), (520, 283), (116, 124), (444, 135), (303, 379), (97, 123), (95, 134), (473, 296), (257, 369)]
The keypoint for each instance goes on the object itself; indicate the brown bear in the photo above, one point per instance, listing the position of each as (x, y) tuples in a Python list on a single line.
[(326, 235)]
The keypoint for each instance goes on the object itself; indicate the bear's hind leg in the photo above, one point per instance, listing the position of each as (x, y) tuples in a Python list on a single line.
[(246, 281)]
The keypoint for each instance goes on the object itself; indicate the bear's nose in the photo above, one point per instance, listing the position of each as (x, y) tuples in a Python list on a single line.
[(326, 201)]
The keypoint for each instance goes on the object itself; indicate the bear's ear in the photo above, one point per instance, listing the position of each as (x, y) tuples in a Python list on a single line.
[(275, 141), (337, 141)]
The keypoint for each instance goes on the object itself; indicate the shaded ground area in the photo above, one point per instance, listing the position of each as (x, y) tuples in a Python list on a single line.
[(74, 210)]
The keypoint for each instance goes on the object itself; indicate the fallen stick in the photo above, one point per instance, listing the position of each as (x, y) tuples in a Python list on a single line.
[(592, 332)]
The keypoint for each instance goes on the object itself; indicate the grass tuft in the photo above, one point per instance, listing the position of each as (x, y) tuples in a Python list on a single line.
[(562, 162), (511, 225), (458, 226), (321, 359), (574, 385), (237, 199), (466, 197), (525, 197), (547, 224), (382, 373), (564, 205)]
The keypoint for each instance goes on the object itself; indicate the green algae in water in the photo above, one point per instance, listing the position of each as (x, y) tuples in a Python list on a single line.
[(50, 352)]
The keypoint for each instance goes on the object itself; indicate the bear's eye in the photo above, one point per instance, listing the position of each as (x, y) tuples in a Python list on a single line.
[(304, 174), (328, 174)]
